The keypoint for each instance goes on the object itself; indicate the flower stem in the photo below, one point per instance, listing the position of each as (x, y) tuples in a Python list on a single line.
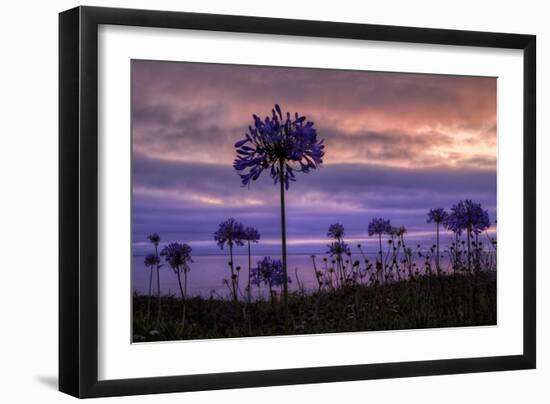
[(380, 252), (456, 252), (437, 250), (149, 295), (158, 286), (469, 250), (249, 269), (182, 297), (476, 253), (283, 239), (233, 276)]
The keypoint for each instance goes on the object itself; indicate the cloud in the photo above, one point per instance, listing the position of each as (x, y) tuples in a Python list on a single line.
[(382, 147), (197, 135), (462, 98), (222, 180), (196, 112), (188, 200), (397, 145)]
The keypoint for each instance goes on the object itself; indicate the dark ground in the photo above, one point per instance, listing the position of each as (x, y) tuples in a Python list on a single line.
[(422, 302)]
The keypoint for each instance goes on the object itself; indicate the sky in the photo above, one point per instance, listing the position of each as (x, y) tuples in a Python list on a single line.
[(397, 144)]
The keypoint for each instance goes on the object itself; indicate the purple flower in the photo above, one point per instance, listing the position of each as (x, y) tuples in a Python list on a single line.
[(398, 231), (251, 234), (379, 226), (230, 232), (338, 248), (437, 215), (336, 231), (274, 140), (154, 238), (151, 260), (454, 223), (468, 215), (178, 256), (268, 272)]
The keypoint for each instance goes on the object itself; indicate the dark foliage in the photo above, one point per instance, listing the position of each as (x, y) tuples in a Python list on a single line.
[(427, 301)]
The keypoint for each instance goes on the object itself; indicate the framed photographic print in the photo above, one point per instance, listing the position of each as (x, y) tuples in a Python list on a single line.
[(250, 201)]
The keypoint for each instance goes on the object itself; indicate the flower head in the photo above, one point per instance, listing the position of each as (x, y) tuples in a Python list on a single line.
[(437, 215), (454, 222), (338, 248), (151, 260), (398, 231), (154, 238), (274, 140), (269, 272), (229, 232), (468, 215), (379, 226), (336, 231), (251, 234), (178, 256)]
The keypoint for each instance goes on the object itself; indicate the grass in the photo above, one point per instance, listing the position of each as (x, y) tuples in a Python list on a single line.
[(422, 302)]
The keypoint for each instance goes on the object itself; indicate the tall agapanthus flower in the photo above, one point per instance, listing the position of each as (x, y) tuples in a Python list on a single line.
[(269, 272), (250, 235), (338, 249), (438, 216), (231, 233), (178, 257), (471, 217), (284, 146), (154, 238), (394, 231), (395, 243), (150, 261), (336, 231), (454, 224), (477, 218), (378, 227), (399, 232)]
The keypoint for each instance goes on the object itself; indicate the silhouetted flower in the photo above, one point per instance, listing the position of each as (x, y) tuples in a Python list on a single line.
[(338, 248), (453, 223), (154, 238), (468, 215), (401, 230), (178, 256), (336, 231), (151, 260), (379, 226), (437, 215), (229, 232), (269, 272), (274, 140), (251, 234)]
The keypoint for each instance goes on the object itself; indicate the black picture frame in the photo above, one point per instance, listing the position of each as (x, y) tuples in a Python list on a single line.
[(78, 201)]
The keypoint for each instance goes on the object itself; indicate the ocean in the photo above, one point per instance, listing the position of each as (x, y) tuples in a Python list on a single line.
[(208, 272)]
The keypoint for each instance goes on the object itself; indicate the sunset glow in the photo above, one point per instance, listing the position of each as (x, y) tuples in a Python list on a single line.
[(399, 144)]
